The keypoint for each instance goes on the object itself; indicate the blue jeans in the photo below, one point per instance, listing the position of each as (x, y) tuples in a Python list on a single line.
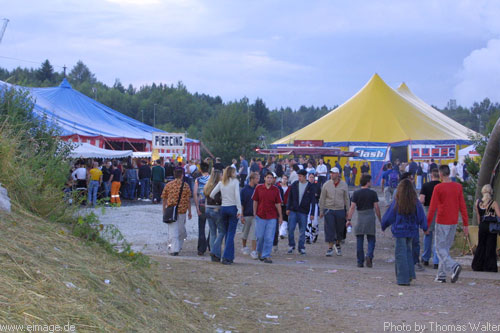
[(145, 188), (264, 232), (347, 180), (92, 192), (226, 229), (360, 253), (405, 266), (416, 249), (429, 249), (293, 219), (107, 189), (213, 218), (130, 189)]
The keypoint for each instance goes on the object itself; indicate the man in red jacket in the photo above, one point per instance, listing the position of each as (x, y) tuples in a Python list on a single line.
[(447, 200)]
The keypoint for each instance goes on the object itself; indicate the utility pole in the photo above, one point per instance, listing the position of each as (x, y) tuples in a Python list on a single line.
[(282, 111), (154, 115), (4, 26)]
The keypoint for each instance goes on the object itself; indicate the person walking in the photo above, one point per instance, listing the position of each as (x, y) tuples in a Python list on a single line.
[(354, 172), (405, 216), (248, 218), (116, 182), (454, 172), (199, 201), (158, 179), (131, 176), (365, 169), (106, 175), (144, 179), (447, 201), (425, 198), (390, 179), (94, 181), (322, 172), (347, 173), (243, 170), (333, 203), (312, 229), (301, 200), (212, 210), (266, 209), (170, 195), (365, 201), (230, 212), (487, 210)]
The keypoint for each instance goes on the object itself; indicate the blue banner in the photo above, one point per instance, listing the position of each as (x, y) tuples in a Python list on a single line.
[(370, 154)]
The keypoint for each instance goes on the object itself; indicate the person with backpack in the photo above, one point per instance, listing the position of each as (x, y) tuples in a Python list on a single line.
[(390, 180), (199, 201)]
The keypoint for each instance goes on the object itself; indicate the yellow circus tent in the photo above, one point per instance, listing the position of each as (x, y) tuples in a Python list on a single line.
[(379, 118)]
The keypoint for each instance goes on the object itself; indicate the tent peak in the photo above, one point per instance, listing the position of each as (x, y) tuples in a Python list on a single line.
[(403, 87), (65, 84)]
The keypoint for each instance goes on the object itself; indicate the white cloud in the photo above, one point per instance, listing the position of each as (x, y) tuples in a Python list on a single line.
[(480, 75)]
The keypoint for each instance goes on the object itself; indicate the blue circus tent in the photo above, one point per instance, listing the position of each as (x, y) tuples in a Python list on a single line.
[(83, 119)]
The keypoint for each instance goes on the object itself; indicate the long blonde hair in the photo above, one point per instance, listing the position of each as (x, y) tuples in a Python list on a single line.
[(487, 193), (212, 182), (228, 174)]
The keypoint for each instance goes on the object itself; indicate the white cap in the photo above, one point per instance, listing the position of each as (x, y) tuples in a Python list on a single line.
[(274, 175), (335, 170)]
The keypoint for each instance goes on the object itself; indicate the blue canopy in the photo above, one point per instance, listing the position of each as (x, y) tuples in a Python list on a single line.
[(76, 114)]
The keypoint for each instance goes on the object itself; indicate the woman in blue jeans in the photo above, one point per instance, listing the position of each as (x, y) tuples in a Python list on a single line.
[(405, 215), (212, 210), (230, 211)]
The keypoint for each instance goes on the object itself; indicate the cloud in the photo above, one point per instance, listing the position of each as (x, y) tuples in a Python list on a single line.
[(480, 75)]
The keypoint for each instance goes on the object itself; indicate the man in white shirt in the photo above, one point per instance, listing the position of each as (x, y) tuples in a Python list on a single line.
[(425, 171), (453, 172), (321, 172), (80, 176)]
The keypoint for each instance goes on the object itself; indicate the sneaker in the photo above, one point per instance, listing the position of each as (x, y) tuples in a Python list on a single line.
[(436, 266), (226, 262), (214, 258), (440, 280), (426, 263), (302, 251), (146, 199), (290, 250), (275, 249), (329, 253), (456, 273), (419, 267), (245, 250), (267, 261), (360, 264), (174, 254), (254, 255), (139, 199), (369, 262), (338, 250)]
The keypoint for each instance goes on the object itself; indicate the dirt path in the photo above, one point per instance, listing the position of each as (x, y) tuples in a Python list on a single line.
[(315, 293)]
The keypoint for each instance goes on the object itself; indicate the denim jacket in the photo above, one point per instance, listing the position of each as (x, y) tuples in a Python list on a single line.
[(404, 225)]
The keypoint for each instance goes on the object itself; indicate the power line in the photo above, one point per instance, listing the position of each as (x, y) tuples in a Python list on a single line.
[(30, 61)]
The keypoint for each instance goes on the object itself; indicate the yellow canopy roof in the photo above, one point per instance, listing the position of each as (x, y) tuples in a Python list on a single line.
[(379, 114)]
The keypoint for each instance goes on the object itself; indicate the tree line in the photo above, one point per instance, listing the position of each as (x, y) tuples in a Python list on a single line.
[(226, 128)]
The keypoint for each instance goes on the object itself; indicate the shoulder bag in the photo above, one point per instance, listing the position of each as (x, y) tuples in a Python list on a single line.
[(170, 213)]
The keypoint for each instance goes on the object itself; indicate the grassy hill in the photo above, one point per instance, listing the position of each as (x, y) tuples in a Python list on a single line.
[(49, 277)]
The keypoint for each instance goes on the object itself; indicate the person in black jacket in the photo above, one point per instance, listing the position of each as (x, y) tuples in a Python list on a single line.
[(301, 199), (145, 181)]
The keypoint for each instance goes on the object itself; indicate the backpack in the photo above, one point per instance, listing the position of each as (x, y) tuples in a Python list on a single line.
[(393, 179)]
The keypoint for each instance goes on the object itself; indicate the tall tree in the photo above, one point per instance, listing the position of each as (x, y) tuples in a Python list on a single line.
[(46, 72), (80, 74)]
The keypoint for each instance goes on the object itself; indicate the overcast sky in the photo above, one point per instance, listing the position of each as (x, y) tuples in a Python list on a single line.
[(289, 53)]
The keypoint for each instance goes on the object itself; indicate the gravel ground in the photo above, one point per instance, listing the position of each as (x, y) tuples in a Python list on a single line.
[(312, 292)]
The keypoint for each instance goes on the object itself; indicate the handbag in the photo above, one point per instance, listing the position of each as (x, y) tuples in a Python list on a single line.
[(170, 213), (494, 225)]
